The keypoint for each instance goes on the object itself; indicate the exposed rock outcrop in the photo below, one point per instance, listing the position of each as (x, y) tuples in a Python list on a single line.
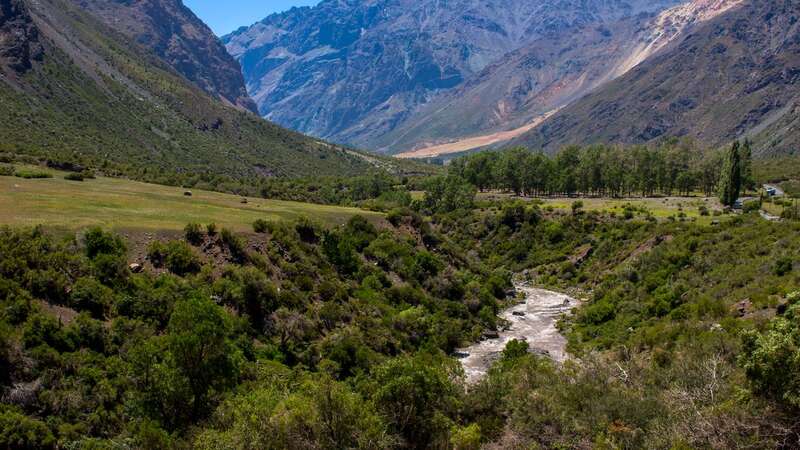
[(19, 37)]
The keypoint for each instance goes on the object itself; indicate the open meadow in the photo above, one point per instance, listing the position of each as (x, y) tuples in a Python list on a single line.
[(129, 205)]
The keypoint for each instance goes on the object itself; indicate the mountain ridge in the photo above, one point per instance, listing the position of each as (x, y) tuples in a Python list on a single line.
[(733, 77), (174, 33), (352, 71), (88, 93)]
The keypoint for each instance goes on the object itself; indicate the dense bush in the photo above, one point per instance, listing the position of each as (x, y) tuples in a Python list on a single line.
[(20, 432), (193, 233), (772, 359), (177, 256), (73, 176), (32, 174), (313, 337), (260, 226)]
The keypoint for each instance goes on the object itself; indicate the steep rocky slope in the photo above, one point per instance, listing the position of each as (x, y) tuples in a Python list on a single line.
[(73, 88), (174, 33), (354, 70), (527, 85), (19, 38), (733, 76)]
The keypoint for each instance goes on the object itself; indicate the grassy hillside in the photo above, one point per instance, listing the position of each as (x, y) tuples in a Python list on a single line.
[(128, 205), (96, 97)]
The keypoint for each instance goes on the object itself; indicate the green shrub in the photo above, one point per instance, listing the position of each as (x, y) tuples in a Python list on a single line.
[(751, 206), (260, 226), (211, 229), (772, 359), (20, 432), (6, 170), (236, 245), (177, 256), (193, 233), (99, 242), (32, 174), (73, 176), (515, 349), (110, 269), (88, 294), (783, 266), (307, 230)]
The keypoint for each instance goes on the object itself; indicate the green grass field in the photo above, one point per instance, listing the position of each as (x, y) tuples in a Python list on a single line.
[(128, 205), (659, 207)]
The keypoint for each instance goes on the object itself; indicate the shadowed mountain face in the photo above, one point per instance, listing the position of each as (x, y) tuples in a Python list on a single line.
[(737, 75), (355, 71), (174, 33), (19, 38), (72, 87)]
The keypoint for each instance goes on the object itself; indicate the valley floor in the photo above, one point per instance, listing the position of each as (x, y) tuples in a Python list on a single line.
[(123, 204)]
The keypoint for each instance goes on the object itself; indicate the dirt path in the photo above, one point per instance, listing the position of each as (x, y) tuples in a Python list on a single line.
[(534, 321)]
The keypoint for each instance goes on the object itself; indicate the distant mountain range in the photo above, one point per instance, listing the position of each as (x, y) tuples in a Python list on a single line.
[(144, 85), (426, 77)]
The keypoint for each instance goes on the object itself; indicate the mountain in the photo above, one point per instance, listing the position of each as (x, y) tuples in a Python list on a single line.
[(174, 33), (74, 88), (354, 71), (736, 75), (527, 86)]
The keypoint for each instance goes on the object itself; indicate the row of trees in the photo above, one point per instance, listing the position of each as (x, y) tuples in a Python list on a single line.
[(670, 168)]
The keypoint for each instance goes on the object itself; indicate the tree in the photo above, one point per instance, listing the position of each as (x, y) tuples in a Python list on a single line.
[(748, 181), (771, 359), (417, 394), (730, 182), (450, 193), (200, 349)]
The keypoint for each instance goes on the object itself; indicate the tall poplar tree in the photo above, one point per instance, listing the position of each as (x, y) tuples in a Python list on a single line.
[(730, 182), (748, 182)]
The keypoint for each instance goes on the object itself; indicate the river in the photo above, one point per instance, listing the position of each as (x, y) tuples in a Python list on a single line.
[(533, 320)]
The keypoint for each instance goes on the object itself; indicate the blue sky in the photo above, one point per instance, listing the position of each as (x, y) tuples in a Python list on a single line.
[(224, 16)]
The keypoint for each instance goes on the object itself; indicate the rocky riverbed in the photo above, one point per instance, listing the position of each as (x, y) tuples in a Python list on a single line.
[(534, 320)]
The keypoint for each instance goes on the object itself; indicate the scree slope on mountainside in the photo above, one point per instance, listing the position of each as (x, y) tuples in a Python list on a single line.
[(735, 76)]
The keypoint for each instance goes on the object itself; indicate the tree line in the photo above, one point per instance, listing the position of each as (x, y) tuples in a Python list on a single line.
[(669, 168)]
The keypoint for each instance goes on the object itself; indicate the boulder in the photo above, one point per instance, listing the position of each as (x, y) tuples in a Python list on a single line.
[(135, 268), (518, 313)]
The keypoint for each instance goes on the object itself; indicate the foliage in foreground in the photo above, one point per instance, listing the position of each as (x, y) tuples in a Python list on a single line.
[(301, 337)]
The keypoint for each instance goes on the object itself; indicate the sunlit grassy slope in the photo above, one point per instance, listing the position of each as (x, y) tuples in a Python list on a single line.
[(123, 204)]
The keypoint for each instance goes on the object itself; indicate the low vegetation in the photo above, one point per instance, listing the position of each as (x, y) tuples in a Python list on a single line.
[(305, 336), (128, 205)]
